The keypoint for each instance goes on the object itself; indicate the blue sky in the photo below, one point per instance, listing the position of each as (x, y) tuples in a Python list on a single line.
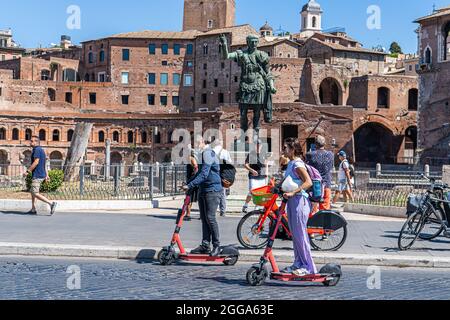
[(42, 22)]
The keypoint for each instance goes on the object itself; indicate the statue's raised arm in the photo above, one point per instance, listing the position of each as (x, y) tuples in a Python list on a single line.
[(225, 51)]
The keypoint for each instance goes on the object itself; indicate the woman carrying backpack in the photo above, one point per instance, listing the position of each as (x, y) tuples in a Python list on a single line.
[(297, 182)]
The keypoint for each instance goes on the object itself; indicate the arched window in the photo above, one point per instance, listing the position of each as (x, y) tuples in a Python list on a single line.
[(116, 136), (2, 134), (15, 134), (70, 135), (384, 98), (413, 99), (45, 75), (314, 22), (86, 77), (446, 39), (428, 57), (130, 136), (51, 94), (101, 136), (205, 49), (144, 137), (28, 134), (42, 135), (69, 75), (55, 135)]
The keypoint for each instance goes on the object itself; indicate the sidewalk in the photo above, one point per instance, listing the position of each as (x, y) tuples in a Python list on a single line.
[(127, 235)]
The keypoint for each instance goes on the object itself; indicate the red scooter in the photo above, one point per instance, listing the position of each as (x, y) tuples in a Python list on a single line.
[(229, 255), (329, 275)]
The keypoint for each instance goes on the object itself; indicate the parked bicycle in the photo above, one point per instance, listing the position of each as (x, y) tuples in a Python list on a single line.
[(430, 219), (327, 229)]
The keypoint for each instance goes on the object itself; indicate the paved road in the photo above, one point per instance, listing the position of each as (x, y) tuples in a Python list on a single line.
[(44, 279), (366, 235)]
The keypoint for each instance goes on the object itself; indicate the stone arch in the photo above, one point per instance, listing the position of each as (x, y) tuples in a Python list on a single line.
[(101, 136), (116, 163), (383, 98), (330, 91), (144, 157), (130, 136), (25, 158), (376, 143), (56, 160), (116, 136)]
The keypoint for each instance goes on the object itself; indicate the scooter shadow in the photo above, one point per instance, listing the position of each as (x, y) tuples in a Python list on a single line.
[(269, 283)]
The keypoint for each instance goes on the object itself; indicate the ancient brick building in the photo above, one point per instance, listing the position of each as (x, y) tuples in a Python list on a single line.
[(434, 71), (138, 87)]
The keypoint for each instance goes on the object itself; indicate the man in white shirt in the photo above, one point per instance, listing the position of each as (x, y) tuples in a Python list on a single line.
[(224, 157), (344, 179)]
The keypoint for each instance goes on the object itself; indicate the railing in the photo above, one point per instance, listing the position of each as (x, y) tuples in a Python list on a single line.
[(390, 188), (142, 182)]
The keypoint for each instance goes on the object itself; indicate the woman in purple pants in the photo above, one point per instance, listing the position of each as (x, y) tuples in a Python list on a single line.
[(299, 208)]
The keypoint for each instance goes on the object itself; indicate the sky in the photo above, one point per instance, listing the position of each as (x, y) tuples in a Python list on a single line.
[(40, 23)]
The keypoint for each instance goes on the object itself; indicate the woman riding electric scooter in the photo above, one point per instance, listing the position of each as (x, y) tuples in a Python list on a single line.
[(297, 181)]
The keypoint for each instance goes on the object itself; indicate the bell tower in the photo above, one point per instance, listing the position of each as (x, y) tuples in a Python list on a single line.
[(205, 15), (311, 18)]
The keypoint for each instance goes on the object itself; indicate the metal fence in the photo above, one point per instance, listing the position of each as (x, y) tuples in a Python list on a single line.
[(118, 182), (389, 188)]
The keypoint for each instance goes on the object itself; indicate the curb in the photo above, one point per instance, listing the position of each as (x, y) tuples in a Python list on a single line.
[(379, 211), (134, 253)]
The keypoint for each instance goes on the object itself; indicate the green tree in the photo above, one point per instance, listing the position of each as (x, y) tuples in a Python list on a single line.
[(395, 48)]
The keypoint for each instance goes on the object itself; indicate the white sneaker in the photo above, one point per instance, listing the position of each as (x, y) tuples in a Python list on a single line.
[(288, 270), (301, 272)]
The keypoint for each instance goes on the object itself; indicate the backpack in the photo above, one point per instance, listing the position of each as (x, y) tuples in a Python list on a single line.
[(317, 191), (352, 171), (227, 174)]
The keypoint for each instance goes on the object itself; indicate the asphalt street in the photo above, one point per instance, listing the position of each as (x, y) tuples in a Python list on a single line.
[(47, 279)]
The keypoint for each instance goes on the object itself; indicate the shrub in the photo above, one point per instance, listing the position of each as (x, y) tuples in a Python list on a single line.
[(55, 182)]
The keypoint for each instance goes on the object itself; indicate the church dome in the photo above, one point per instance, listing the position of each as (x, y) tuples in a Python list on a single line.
[(312, 5), (266, 27)]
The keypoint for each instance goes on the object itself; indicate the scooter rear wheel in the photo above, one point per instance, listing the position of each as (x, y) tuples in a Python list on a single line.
[(166, 257), (231, 261), (256, 277)]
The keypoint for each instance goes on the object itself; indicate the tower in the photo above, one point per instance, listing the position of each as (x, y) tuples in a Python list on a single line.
[(204, 15), (311, 18)]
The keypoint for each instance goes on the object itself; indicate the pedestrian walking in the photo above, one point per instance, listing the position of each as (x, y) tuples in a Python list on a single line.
[(209, 182), (224, 158), (258, 168), (191, 172), (323, 161), (344, 179), (299, 208), (39, 173)]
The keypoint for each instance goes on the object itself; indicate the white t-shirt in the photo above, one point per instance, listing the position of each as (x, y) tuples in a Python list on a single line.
[(345, 165)]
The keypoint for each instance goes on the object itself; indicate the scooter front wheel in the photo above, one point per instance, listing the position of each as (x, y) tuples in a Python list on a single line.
[(166, 257), (256, 277)]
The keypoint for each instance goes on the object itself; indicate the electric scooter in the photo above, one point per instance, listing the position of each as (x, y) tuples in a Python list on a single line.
[(329, 275), (229, 255)]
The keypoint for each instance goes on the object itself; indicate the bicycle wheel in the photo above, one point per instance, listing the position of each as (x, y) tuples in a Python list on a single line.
[(410, 231), (433, 226), (332, 240), (247, 231)]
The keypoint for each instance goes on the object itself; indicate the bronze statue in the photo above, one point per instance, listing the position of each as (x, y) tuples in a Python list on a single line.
[(256, 85)]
